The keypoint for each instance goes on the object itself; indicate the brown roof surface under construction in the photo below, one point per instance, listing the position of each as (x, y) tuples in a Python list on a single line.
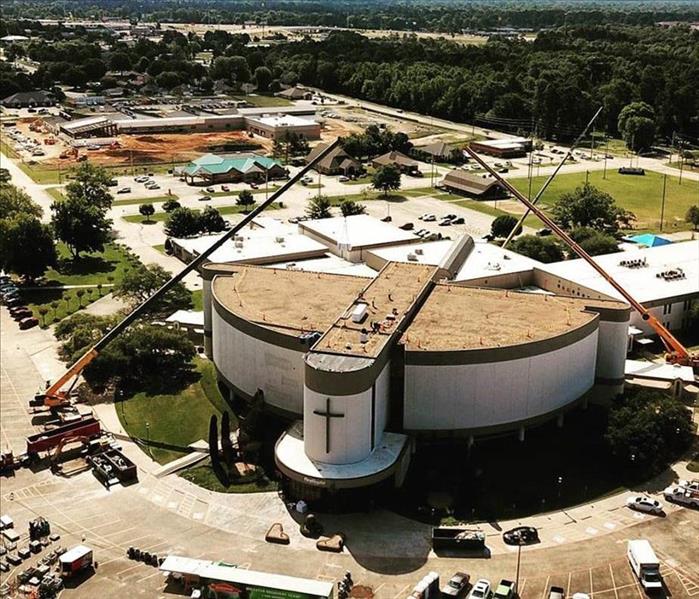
[(389, 297), (464, 318), (289, 301)]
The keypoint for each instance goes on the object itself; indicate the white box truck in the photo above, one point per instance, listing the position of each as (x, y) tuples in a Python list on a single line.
[(645, 565)]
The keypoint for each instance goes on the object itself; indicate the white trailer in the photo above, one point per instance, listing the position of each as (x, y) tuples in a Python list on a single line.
[(645, 565)]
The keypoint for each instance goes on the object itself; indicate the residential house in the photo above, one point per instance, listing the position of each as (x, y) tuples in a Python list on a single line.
[(473, 185), (404, 163), (336, 162)]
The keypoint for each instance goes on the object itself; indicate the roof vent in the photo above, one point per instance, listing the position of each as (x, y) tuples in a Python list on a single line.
[(419, 251), (364, 336), (412, 257), (279, 239)]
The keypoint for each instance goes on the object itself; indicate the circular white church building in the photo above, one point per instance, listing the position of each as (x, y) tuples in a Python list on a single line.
[(364, 366)]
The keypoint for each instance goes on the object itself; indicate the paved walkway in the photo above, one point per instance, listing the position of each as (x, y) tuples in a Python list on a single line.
[(35, 190)]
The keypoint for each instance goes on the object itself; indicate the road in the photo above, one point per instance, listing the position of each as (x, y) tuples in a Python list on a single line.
[(36, 191)]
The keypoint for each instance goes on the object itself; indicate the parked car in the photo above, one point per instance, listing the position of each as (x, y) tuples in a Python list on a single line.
[(14, 301), (28, 323), (480, 590), (205, 198), (449, 216), (343, 179), (124, 190), (387, 219), (557, 593), (22, 313), (544, 232), (112, 183), (141, 179), (407, 227), (153, 186), (643, 503), (456, 585), (253, 185), (428, 218), (445, 222), (225, 188), (505, 590), (459, 220), (210, 190), (522, 535)]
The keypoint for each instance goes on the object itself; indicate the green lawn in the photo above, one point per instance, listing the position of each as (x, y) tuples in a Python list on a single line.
[(264, 101), (640, 195), (693, 465), (205, 477), (56, 193), (160, 217), (139, 201), (105, 268), (234, 193), (175, 421), (198, 300)]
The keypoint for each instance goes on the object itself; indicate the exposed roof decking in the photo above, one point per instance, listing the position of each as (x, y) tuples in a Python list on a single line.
[(288, 301), (458, 318), (389, 298)]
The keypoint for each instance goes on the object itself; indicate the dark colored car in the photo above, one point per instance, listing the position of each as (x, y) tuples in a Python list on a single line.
[(13, 302), (22, 314), (522, 535), (407, 227), (386, 219), (459, 220), (28, 323)]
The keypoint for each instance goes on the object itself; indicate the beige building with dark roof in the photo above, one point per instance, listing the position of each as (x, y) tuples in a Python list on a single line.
[(336, 162), (474, 185)]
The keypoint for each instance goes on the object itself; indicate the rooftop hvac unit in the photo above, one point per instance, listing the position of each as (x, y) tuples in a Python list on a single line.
[(239, 243), (419, 251), (412, 257), (359, 312), (279, 239), (291, 266), (364, 336)]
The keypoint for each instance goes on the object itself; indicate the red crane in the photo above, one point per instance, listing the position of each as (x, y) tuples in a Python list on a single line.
[(676, 352)]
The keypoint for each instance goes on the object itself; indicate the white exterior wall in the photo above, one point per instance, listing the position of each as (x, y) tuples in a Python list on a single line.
[(672, 319), (611, 349), (469, 396), (251, 364), (350, 435), (206, 300)]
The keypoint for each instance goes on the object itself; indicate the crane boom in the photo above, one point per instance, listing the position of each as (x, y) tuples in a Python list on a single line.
[(677, 352), (552, 176), (53, 396)]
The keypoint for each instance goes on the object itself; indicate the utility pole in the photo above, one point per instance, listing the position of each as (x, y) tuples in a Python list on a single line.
[(606, 153), (592, 146), (587, 177), (681, 156), (519, 557), (662, 203)]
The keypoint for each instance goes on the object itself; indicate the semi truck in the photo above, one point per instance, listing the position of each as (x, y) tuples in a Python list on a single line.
[(645, 565), (87, 427), (454, 537)]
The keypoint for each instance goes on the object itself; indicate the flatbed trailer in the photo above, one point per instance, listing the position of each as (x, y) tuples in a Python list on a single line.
[(41, 442)]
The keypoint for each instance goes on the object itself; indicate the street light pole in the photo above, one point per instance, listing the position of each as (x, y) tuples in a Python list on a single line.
[(519, 557)]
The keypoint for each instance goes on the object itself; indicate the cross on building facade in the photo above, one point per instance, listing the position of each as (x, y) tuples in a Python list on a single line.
[(327, 414)]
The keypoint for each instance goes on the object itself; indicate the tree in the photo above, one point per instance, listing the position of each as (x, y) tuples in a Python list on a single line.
[(263, 77), (692, 216), (543, 249), (168, 79), (226, 444), (502, 226), (648, 428), (145, 357), (171, 205), (594, 242), (587, 206), (211, 220), (183, 222), (319, 207), (15, 202), (5, 176), (245, 199), (79, 332), (386, 178), (637, 125), (26, 246), (350, 208), (142, 281), (80, 293), (82, 226), (43, 311), (147, 210), (120, 61), (91, 183)]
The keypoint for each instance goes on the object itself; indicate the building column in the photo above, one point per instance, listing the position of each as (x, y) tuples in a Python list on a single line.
[(559, 420), (520, 434)]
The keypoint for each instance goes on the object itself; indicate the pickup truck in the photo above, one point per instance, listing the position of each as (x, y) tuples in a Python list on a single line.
[(682, 496), (505, 590)]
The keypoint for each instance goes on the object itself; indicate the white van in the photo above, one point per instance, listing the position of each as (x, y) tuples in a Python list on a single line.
[(645, 565)]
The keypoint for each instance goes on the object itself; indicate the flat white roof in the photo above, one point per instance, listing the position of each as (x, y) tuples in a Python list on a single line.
[(86, 122), (276, 244), (282, 120), (290, 451), (188, 317), (355, 232), (330, 263), (484, 259), (661, 372), (511, 142), (641, 282), (223, 572)]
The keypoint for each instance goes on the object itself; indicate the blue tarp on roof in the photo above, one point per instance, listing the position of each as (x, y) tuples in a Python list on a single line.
[(650, 240)]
